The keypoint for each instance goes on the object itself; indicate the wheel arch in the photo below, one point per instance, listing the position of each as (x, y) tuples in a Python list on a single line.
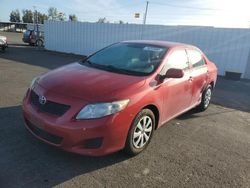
[(40, 40), (212, 84), (156, 112)]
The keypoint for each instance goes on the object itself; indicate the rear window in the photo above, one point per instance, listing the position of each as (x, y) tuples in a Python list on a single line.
[(27, 32)]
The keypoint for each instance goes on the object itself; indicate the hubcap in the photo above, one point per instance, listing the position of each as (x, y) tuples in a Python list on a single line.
[(142, 132), (207, 97), (39, 43)]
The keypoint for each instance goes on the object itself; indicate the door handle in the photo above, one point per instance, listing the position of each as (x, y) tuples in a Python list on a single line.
[(190, 79)]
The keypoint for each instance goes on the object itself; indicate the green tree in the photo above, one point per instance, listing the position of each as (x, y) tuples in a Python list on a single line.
[(72, 17), (30, 17), (27, 16), (41, 17), (15, 16), (121, 22), (61, 16), (52, 13), (102, 20)]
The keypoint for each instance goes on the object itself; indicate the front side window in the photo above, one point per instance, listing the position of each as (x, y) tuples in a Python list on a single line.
[(195, 58), (177, 59), (128, 58)]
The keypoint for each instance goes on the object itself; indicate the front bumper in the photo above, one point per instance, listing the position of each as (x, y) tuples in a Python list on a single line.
[(93, 137), (3, 45)]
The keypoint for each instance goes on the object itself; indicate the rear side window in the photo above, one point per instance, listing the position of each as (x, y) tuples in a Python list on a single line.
[(195, 58)]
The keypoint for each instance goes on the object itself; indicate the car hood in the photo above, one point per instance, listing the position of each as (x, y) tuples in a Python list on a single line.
[(88, 83), (3, 38)]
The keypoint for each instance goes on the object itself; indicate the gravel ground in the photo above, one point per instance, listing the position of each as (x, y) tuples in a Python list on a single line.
[(209, 149)]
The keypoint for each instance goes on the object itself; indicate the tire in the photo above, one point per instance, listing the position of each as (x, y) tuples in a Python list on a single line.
[(140, 133), (206, 99), (39, 43)]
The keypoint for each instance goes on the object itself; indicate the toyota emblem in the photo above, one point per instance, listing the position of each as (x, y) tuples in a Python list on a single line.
[(42, 100)]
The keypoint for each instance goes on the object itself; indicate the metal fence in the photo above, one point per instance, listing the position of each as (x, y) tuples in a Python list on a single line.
[(229, 48)]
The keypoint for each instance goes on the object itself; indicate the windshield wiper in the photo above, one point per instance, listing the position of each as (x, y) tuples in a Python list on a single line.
[(115, 69), (112, 68), (87, 61)]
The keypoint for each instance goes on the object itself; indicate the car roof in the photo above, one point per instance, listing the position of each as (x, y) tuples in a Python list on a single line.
[(161, 43)]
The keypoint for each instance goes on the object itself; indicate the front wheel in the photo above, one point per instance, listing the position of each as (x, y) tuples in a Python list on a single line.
[(206, 98), (141, 132)]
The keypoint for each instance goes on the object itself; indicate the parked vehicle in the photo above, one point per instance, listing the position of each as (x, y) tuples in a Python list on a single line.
[(33, 38), (3, 43), (117, 97)]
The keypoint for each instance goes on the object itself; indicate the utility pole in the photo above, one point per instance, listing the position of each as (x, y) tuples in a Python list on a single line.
[(34, 7), (35, 19), (145, 14)]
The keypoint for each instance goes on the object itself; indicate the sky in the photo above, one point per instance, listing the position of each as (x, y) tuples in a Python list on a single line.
[(218, 13)]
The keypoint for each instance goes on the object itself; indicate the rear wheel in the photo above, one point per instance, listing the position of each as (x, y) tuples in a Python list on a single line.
[(141, 132), (39, 43), (206, 98)]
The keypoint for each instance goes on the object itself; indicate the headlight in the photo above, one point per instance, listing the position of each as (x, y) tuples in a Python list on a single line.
[(34, 80), (98, 110)]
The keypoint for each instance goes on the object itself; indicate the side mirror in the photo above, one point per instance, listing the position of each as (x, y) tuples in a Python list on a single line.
[(174, 73)]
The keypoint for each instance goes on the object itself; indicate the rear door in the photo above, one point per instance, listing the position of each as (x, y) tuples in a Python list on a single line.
[(199, 74), (177, 91)]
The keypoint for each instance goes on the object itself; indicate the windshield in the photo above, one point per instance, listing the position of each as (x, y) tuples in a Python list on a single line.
[(128, 58)]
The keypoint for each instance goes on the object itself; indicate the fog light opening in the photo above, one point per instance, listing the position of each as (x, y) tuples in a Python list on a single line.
[(93, 143)]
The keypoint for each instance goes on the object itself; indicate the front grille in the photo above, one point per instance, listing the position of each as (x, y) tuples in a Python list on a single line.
[(43, 134), (50, 106)]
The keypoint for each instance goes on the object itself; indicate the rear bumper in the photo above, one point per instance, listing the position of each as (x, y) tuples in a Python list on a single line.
[(94, 137), (28, 40)]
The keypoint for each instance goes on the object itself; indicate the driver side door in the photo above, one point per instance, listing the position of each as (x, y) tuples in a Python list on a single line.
[(177, 91)]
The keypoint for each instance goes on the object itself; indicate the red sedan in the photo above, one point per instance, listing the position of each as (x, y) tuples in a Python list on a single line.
[(116, 98)]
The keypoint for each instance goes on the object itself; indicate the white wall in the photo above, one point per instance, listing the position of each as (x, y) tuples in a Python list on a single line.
[(228, 48)]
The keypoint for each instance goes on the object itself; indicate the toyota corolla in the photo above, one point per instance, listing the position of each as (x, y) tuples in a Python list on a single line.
[(117, 97)]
